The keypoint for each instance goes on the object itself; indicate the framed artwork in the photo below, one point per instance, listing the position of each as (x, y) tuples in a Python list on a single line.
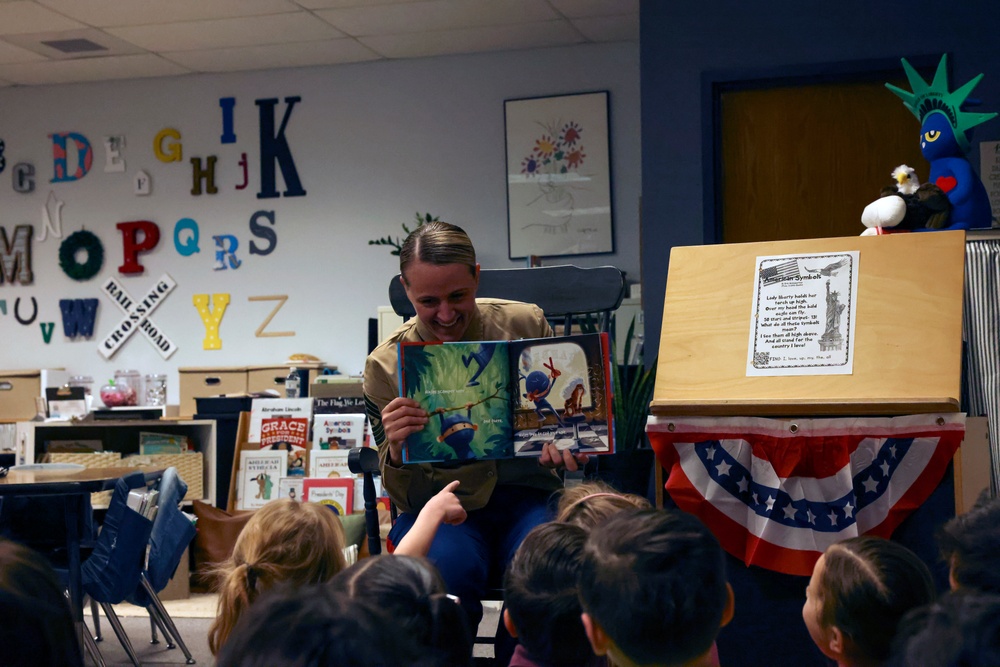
[(558, 175)]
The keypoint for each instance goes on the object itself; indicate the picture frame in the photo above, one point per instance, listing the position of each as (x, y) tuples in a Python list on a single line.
[(558, 175)]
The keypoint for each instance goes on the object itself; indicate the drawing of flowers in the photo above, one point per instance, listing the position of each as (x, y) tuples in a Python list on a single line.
[(552, 162)]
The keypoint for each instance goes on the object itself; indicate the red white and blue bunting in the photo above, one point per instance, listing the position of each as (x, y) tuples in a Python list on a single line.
[(777, 493)]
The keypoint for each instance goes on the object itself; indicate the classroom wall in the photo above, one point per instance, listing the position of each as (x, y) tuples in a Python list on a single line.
[(681, 42), (372, 144)]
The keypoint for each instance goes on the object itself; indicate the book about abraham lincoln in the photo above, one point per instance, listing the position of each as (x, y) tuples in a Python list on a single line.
[(506, 399)]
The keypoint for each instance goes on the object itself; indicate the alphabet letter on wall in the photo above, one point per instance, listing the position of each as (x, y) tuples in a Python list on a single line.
[(190, 246), (211, 318), (281, 299), (263, 232), (225, 249), (15, 255), (84, 156), (199, 174), (174, 150), (227, 104), (132, 245), (274, 148)]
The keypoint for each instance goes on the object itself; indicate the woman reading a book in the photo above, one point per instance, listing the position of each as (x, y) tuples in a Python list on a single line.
[(504, 498)]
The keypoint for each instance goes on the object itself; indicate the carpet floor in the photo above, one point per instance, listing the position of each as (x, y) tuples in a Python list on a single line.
[(193, 616)]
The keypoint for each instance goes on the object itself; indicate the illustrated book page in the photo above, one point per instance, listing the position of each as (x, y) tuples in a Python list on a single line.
[(501, 399)]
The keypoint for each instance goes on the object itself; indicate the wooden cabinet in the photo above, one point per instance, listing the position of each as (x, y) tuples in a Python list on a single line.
[(33, 440)]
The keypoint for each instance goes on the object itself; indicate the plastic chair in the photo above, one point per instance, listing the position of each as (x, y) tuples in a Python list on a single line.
[(171, 534)]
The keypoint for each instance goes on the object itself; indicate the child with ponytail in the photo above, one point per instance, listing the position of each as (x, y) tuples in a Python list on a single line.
[(284, 542)]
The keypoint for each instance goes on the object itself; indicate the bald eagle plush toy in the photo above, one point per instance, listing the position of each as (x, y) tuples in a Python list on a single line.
[(906, 205)]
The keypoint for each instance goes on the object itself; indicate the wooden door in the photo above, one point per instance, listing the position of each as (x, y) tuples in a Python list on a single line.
[(803, 162)]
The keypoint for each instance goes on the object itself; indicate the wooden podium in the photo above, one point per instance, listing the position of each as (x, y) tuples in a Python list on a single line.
[(908, 336), (907, 352)]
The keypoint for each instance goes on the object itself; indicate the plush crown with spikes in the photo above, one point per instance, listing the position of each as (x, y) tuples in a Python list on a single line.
[(934, 97)]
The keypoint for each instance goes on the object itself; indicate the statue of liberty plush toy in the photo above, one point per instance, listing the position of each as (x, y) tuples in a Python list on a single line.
[(944, 140)]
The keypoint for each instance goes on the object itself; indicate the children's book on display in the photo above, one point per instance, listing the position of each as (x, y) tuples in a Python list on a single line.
[(335, 492), (504, 399), (259, 475), (338, 431)]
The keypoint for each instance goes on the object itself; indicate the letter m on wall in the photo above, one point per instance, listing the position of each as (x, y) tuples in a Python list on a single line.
[(274, 148), (15, 255)]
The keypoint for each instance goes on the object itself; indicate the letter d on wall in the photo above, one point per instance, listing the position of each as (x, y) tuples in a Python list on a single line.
[(84, 157)]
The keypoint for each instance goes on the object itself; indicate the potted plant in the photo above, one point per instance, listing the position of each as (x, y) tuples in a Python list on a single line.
[(397, 242), (628, 469)]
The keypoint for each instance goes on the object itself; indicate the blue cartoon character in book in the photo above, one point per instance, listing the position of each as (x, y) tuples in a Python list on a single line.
[(482, 358), (457, 431), (945, 128), (538, 384)]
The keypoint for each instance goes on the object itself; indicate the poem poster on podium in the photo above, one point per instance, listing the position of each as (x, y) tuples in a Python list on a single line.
[(803, 315)]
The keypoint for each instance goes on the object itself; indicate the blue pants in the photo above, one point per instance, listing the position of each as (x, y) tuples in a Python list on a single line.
[(473, 555)]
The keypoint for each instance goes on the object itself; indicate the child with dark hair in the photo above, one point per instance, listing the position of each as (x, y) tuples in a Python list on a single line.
[(315, 626), (970, 543), (962, 629), (653, 588), (542, 607), (859, 590), (412, 593), (36, 622)]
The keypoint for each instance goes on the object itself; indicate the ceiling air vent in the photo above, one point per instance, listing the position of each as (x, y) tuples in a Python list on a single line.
[(74, 45)]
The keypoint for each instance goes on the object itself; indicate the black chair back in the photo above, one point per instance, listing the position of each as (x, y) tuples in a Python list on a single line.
[(563, 292)]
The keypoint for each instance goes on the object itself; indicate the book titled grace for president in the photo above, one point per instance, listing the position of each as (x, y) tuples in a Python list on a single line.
[(504, 399)]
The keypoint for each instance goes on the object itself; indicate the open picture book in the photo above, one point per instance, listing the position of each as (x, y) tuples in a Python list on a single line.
[(505, 399)]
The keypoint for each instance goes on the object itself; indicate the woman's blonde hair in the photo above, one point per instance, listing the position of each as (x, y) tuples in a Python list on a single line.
[(283, 542), (437, 243), (590, 503)]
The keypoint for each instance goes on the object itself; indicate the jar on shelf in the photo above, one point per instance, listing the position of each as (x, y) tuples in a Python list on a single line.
[(115, 395), (129, 384), (156, 389), (85, 381)]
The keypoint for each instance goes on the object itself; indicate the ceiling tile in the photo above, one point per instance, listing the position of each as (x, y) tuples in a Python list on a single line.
[(325, 4), (17, 17), (609, 28), (106, 13), (474, 40), (15, 54), (224, 33), (273, 56), (90, 69), (435, 15), (581, 8), (40, 43)]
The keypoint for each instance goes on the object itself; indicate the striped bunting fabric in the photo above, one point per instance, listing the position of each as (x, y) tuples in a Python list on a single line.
[(777, 493)]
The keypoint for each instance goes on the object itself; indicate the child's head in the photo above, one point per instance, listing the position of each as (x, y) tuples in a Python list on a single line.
[(970, 543), (591, 502), (961, 629), (410, 589), (653, 587), (284, 541), (859, 590), (540, 594), (314, 626), (37, 624)]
